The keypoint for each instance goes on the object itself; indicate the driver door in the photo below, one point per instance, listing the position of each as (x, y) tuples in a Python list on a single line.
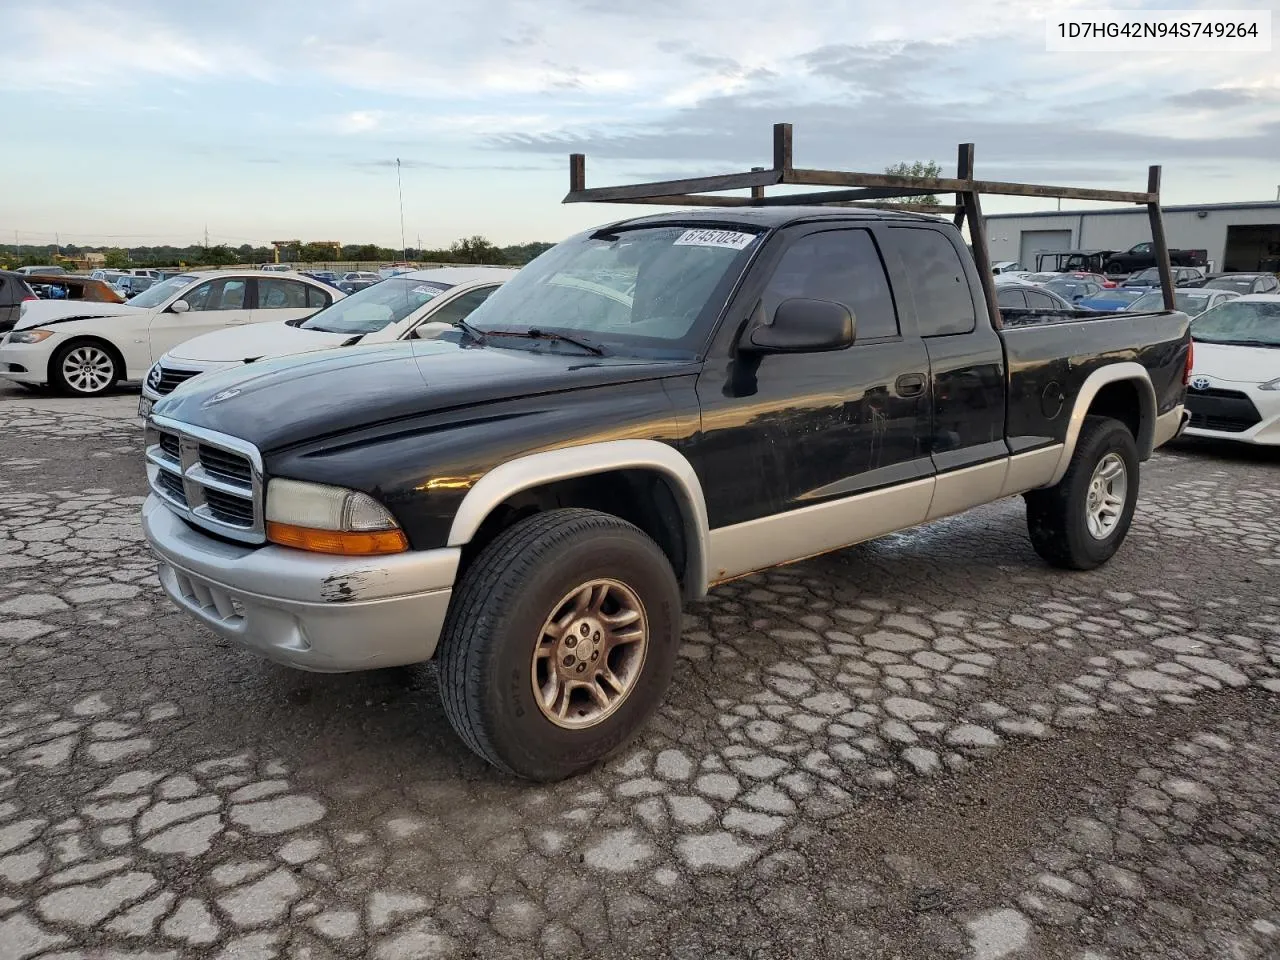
[(214, 305)]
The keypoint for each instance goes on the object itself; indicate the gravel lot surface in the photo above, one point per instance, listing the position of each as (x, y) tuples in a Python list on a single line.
[(931, 746)]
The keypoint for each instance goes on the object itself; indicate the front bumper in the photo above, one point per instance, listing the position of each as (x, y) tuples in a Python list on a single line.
[(24, 362), (311, 611), (1239, 412)]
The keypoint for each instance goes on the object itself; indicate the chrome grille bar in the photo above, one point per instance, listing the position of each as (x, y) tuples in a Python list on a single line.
[(210, 495)]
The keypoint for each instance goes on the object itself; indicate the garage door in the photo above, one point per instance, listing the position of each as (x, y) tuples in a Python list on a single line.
[(1035, 242)]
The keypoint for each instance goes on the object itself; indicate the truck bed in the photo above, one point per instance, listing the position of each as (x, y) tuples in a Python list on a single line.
[(1049, 361)]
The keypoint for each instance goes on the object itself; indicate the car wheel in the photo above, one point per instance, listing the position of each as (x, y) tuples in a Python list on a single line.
[(84, 368), (1111, 267), (560, 643), (1079, 523)]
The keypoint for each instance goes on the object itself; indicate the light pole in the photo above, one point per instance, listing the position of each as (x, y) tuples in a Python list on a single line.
[(400, 189)]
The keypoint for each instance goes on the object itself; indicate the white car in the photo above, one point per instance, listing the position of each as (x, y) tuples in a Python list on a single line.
[(83, 349), (1192, 302), (420, 304), (1234, 393)]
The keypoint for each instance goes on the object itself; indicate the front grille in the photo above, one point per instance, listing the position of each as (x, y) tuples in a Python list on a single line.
[(171, 377), (172, 485), (226, 466), (234, 510), (1228, 411), (212, 480)]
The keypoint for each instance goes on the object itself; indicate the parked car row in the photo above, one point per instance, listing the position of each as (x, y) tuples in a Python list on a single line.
[(86, 352)]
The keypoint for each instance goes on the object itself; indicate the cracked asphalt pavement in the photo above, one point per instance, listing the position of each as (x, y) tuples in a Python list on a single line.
[(930, 746)]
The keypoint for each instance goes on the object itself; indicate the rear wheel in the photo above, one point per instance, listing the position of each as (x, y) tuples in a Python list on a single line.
[(560, 643), (84, 368), (1079, 523)]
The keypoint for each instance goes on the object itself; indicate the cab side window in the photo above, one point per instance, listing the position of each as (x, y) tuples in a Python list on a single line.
[(839, 265)]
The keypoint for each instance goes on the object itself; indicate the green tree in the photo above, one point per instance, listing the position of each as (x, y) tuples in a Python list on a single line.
[(475, 250), (219, 256), (116, 259), (917, 169)]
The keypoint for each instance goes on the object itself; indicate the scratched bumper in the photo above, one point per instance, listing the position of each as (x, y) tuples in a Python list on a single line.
[(305, 610)]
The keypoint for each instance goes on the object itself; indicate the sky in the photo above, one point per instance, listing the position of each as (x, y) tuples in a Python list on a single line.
[(147, 121)]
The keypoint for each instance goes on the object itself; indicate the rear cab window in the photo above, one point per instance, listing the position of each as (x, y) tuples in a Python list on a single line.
[(937, 280)]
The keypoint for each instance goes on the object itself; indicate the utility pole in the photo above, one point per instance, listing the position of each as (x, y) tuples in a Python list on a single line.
[(206, 236), (400, 189)]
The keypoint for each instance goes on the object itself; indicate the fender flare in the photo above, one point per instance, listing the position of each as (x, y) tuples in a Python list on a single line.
[(1093, 384), (536, 469)]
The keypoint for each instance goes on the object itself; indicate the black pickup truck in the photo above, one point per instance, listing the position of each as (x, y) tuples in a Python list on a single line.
[(645, 411), (1143, 255)]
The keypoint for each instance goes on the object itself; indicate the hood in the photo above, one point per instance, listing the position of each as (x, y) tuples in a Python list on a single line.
[(254, 341), (1231, 364), (310, 396), (42, 313)]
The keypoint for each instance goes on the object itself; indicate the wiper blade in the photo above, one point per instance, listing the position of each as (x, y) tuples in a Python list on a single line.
[(536, 334), (476, 335)]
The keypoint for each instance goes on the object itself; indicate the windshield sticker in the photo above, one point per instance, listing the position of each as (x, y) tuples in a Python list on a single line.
[(731, 239), (429, 291)]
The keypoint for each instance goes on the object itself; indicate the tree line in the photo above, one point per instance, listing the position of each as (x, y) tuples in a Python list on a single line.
[(474, 249)]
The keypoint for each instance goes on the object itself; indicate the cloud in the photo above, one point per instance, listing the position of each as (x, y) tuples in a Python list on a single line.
[(1215, 98), (93, 45)]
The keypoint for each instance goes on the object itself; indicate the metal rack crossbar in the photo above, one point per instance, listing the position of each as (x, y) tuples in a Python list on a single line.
[(865, 189)]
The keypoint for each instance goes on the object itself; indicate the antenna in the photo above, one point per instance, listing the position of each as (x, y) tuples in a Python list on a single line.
[(400, 189)]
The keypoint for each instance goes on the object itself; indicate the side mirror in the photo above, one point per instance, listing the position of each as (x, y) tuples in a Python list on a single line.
[(179, 306), (803, 326)]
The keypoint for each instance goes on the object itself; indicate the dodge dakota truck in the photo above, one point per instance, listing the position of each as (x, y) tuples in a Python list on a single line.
[(645, 411)]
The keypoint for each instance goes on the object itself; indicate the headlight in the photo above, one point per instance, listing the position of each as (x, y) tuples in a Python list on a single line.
[(30, 336), (1270, 384), (324, 519)]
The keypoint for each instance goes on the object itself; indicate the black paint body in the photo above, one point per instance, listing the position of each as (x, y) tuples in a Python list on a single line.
[(416, 423)]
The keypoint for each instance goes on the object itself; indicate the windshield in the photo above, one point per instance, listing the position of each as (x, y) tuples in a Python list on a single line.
[(1238, 284), (1255, 322), (1189, 303), (640, 290), (160, 292), (375, 307), (1149, 275)]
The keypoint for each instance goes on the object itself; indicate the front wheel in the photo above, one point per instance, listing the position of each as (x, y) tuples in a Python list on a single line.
[(560, 643), (1080, 522), (84, 369)]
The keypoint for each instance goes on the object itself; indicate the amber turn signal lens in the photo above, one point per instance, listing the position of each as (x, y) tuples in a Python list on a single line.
[(335, 541)]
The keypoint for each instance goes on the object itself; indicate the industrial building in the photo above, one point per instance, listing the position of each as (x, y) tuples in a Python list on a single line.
[(1237, 236)]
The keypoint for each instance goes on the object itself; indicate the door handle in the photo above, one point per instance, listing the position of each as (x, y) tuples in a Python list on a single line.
[(909, 385)]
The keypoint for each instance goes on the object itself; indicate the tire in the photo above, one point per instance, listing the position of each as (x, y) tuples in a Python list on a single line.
[(84, 368), (1058, 518), (1112, 267), (496, 621)]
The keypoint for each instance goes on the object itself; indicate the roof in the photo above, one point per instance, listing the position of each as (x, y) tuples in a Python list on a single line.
[(1115, 211), (771, 216), (1258, 298), (1242, 274)]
